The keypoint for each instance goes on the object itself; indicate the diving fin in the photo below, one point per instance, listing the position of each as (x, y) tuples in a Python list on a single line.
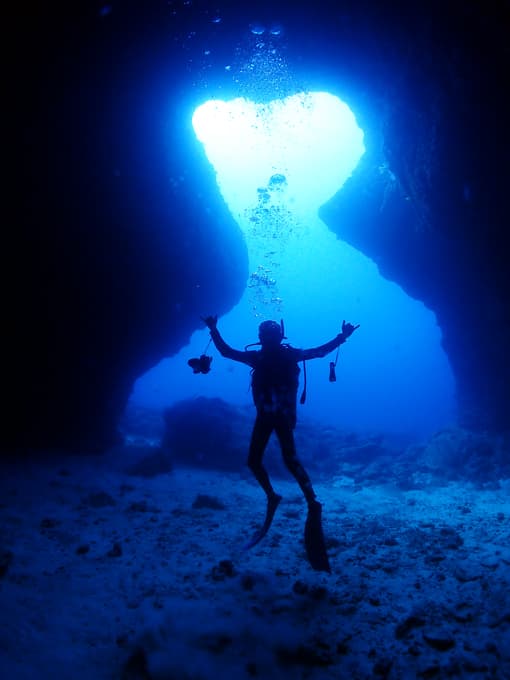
[(272, 504), (314, 539)]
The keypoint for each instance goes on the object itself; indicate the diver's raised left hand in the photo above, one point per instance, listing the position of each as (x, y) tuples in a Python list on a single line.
[(348, 329)]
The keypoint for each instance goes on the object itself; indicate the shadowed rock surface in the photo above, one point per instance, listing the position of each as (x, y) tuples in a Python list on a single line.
[(209, 434)]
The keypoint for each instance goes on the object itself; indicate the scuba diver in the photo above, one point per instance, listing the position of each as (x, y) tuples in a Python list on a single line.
[(275, 379)]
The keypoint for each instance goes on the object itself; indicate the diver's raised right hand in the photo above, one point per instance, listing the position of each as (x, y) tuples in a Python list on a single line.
[(210, 321)]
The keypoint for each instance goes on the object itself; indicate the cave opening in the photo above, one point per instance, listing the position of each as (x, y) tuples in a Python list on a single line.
[(276, 163)]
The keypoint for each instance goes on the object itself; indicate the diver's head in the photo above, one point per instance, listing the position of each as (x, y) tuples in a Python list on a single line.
[(270, 334)]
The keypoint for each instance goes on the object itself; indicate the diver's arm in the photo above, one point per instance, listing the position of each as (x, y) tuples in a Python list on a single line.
[(226, 350), (321, 351)]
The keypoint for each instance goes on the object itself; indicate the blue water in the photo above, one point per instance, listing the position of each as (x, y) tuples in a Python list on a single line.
[(276, 165)]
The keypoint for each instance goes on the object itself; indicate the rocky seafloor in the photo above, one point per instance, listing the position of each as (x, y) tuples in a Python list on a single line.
[(131, 565)]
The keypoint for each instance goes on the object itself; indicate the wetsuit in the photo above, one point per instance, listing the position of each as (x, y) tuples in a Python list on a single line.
[(275, 379)]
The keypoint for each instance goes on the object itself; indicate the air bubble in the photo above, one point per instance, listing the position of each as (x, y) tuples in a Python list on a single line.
[(277, 180), (257, 29)]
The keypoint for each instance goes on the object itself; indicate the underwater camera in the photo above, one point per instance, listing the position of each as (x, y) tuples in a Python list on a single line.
[(332, 373), (201, 365)]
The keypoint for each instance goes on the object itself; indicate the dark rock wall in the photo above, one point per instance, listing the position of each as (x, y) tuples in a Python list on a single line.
[(118, 239), (430, 205)]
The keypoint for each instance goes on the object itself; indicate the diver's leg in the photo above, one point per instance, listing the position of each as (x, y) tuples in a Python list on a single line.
[(260, 436), (259, 439), (314, 537), (285, 436)]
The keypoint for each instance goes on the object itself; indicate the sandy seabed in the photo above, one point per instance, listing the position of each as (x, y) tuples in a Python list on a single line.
[(105, 575)]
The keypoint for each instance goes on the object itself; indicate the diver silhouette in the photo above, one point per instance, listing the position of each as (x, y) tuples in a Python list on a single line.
[(275, 380)]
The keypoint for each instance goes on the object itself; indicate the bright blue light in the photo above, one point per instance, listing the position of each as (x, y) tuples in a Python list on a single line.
[(247, 143), (276, 164)]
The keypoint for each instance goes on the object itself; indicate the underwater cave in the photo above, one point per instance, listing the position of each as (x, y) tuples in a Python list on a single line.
[(172, 161), (276, 164)]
